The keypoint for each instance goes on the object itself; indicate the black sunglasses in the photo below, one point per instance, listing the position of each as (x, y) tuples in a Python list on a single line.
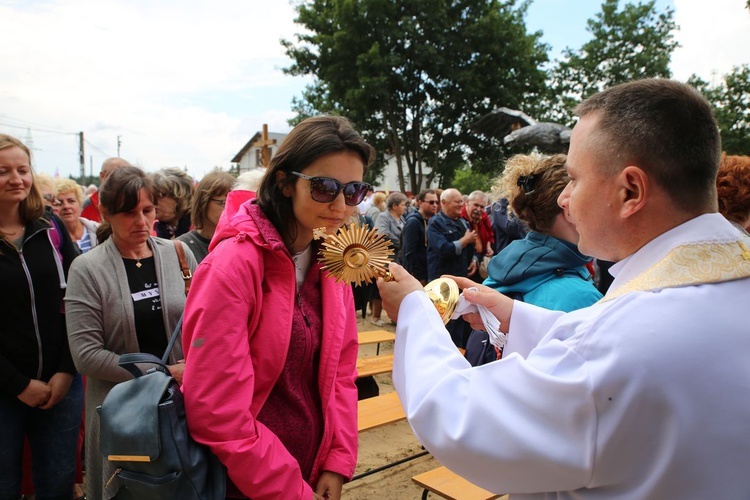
[(325, 189)]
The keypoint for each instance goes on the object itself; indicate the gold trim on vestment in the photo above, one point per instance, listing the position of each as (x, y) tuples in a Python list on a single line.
[(692, 264)]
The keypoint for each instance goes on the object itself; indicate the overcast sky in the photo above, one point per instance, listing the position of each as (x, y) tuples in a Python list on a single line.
[(188, 83)]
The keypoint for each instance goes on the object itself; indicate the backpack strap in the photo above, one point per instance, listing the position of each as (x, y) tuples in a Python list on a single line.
[(187, 276), (56, 240)]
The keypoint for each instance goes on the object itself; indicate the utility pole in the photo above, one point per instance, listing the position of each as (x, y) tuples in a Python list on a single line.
[(82, 158), (119, 141)]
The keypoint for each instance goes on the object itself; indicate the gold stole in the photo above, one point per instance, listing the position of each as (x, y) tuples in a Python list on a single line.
[(692, 264)]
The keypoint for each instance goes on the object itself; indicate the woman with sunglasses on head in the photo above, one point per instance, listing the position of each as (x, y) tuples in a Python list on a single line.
[(208, 202), (271, 339), (41, 396)]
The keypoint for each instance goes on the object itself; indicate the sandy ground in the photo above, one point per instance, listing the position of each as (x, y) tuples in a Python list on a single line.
[(385, 445)]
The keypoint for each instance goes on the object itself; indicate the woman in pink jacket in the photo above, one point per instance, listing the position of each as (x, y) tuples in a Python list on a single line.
[(271, 340)]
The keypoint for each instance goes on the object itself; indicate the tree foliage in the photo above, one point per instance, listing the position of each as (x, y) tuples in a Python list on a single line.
[(628, 44), (466, 180), (731, 102), (414, 74)]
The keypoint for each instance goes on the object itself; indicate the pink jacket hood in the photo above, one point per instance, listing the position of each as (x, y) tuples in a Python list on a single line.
[(235, 200)]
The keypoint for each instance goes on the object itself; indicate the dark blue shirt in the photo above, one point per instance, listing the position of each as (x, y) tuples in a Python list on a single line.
[(414, 246), (442, 232)]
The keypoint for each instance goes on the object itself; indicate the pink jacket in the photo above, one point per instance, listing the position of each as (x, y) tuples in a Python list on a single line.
[(236, 332)]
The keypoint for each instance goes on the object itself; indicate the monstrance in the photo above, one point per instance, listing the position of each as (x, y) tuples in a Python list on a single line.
[(360, 255)]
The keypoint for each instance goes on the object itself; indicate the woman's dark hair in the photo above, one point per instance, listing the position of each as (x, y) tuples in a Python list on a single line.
[(308, 141), (120, 192)]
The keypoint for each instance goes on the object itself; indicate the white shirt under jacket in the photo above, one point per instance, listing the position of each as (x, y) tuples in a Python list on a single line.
[(645, 396)]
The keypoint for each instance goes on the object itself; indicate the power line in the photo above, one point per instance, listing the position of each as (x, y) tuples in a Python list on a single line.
[(98, 149), (24, 127), (27, 123)]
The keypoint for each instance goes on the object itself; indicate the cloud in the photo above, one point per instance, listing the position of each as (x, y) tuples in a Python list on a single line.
[(155, 73), (715, 36)]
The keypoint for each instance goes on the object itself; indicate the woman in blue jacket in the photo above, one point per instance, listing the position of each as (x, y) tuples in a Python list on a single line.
[(545, 268)]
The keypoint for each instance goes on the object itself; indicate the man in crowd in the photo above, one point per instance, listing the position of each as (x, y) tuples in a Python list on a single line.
[(414, 235), (91, 205), (474, 212), (645, 393), (450, 250), (450, 240), (506, 227)]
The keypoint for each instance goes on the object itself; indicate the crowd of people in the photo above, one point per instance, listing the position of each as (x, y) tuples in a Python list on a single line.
[(636, 390)]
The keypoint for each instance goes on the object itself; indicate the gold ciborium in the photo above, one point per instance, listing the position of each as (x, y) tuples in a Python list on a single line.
[(360, 255)]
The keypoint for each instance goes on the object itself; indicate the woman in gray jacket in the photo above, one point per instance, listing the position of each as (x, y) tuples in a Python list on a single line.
[(391, 222), (124, 296)]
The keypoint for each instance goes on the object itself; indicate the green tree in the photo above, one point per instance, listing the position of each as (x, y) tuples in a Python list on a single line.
[(466, 180), (414, 74), (628, 44), (89, 180), (731, 102)]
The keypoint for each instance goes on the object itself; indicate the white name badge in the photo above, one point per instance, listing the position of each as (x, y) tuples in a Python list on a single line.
[(145, 294)]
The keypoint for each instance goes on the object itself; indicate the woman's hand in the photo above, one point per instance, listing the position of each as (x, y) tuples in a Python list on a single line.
[(393, 292), (329, 486), (36, 394), (177, 370), (59, 386)]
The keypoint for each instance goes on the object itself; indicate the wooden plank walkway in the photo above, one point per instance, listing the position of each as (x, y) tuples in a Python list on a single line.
[(374, 365), (378, 411), (450, 485), (376, 337)]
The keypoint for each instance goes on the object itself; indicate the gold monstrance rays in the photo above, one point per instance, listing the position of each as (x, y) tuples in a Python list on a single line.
[(356, 254)]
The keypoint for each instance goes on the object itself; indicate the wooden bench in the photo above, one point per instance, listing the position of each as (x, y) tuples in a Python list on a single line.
[(378, 411), (374, 365), (450, 485), (376, 337)]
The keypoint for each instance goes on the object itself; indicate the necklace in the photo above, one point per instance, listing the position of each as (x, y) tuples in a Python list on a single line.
[(302, 262), (137, 258)]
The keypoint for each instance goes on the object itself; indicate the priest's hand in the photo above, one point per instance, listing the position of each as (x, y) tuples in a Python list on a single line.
[(393, 292), (498, 304)]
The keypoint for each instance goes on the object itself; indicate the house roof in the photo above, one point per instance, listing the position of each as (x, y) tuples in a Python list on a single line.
[(253, 142)]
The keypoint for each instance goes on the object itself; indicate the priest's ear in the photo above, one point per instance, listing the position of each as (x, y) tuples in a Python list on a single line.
[(634, 188)]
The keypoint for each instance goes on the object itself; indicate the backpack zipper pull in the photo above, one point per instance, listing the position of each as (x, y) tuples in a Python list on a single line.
[(112, 478)]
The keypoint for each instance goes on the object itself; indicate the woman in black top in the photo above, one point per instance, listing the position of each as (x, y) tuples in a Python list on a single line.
[(40, 394), (125, 295)]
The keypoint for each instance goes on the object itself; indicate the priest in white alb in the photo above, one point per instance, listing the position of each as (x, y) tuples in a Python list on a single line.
[(644, 395)]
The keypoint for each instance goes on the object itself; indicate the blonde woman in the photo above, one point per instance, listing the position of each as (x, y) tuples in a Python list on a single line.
[(377, 208), (82, 231)]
